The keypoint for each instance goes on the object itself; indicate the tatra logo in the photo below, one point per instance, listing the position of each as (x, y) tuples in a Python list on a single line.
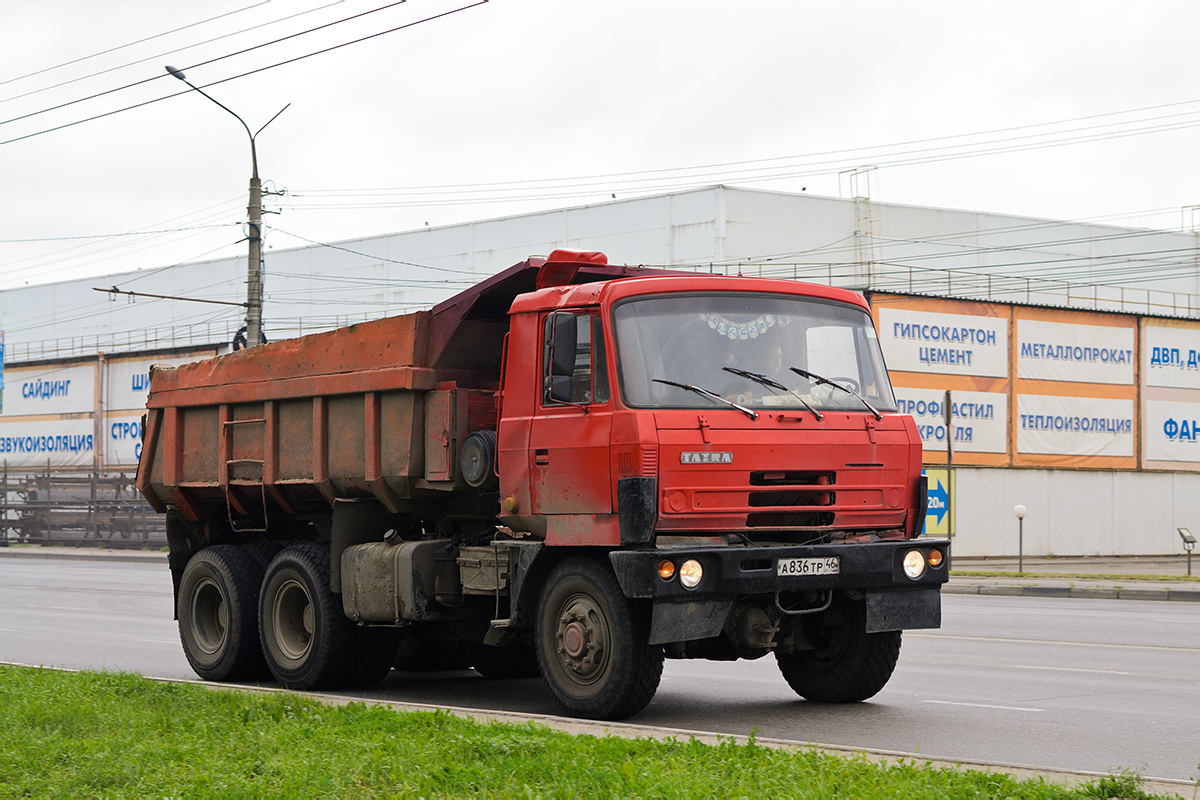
[(706, 458)]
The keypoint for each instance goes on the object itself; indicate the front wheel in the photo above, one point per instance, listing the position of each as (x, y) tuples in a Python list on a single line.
[(845, 663), (591, 643), (307, 640)]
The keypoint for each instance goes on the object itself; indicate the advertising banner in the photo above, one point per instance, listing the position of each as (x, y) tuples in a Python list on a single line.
[(61, 443), (979, 420), (1074, 426), (1172, 431), (122, 440), (1171, 356), (944, 344), (129, 381), (50, 390), (1059, 351)]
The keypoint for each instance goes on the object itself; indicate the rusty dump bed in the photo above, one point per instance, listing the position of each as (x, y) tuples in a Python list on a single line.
[(371, 410)]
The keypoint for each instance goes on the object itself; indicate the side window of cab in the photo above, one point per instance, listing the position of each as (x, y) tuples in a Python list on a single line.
[(574, 367)]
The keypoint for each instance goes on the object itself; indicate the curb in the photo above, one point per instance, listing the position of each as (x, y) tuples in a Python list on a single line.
[(1089, 592), (91, 554)]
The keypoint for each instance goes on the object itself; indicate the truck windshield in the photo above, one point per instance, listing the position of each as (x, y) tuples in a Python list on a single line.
[(664, 342)]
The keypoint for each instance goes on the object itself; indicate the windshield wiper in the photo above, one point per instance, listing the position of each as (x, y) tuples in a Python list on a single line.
[(767, 380), (819, 379), (711, 396)]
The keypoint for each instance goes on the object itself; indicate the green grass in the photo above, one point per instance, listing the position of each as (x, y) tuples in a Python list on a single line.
[(119, 735)]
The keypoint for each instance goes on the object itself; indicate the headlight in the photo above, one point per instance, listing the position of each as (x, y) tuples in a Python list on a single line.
[(914, 564), (690, 573)]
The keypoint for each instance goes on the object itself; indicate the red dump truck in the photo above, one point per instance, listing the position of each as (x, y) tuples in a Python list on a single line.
[(573, 468)]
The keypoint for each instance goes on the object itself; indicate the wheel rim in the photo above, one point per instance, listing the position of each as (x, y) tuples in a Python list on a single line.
[(582, 639), (209, 617), (293, 620)]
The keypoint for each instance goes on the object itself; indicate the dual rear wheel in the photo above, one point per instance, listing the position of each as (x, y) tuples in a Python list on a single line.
[(242, 621)]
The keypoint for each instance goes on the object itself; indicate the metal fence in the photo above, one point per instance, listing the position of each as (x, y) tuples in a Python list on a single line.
[(81, 509)]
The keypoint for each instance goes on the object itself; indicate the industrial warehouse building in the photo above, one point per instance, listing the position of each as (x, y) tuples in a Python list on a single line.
[(1070, 351)]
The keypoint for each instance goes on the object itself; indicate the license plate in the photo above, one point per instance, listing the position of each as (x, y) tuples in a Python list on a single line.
[(827, 565)]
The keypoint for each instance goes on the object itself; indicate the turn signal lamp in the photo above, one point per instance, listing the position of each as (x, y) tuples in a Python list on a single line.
[(666, 570), (935, 558), (690, 573), (914, 564)]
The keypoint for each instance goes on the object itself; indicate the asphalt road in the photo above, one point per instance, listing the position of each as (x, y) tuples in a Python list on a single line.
[(1070, 684)]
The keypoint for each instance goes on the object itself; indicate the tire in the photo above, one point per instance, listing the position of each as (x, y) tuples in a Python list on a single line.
[(847, 664), (591, 643), (262, 552), (218, 614), (306, 638), (516, 660)]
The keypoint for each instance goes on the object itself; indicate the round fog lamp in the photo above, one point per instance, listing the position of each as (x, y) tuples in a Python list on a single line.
[(690, 573), (914, 564), (935, 558), (666, 570)]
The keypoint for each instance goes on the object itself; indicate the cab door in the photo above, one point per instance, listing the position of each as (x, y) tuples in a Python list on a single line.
[(572, 427)]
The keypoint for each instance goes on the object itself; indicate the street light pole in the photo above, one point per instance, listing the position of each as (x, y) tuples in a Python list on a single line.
[(254, 284), (1020, 511)]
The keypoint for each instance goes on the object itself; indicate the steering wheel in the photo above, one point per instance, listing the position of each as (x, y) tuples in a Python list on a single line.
[(849, 383)]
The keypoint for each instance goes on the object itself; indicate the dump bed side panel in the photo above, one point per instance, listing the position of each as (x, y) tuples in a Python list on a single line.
[(288, 427)]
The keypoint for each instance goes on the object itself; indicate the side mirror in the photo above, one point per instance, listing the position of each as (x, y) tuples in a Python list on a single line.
[(562, 336)]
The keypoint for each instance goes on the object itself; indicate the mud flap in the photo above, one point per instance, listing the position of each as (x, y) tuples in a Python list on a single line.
[(685, 621), (903, 609)]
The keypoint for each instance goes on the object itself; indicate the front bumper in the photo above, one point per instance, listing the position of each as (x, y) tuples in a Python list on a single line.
[(893, 600), (732, 570)]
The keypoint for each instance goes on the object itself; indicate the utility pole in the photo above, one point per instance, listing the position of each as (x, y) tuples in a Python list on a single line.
[(254, 288)]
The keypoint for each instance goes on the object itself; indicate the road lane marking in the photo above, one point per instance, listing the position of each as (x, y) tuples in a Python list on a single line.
[(984, 705), (1074, 669)]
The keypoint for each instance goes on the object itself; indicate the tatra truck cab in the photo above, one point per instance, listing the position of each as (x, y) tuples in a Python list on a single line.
[(573, 469)]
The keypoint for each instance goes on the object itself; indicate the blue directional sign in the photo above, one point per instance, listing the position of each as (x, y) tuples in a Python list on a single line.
[(939, 501), (937, 513)]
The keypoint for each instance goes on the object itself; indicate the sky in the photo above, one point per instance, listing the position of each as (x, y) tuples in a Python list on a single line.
[(427, 112)]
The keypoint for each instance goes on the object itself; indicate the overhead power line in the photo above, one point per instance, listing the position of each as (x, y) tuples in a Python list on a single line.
[(130, 44), (211, 61), (113, 235), (285, 62), (155, 57)]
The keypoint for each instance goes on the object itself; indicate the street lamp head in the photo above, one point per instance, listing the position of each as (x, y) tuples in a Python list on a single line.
[(176, 73), (1019, 510)]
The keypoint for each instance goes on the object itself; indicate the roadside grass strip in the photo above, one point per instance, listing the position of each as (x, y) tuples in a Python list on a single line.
[(92, 734)]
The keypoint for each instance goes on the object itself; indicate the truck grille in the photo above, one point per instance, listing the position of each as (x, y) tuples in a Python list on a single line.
[(792, 498), (792, 478), (790, 519)]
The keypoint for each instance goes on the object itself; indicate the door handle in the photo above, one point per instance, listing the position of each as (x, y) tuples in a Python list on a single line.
[(541, 458)]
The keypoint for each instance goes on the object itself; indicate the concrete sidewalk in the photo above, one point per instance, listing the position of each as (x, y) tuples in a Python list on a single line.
[(1154, 577), (1105, 577)]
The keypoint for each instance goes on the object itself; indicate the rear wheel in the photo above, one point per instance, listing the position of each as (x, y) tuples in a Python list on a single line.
[(218, 614), (846, 664), (307, 640), (591, 643)]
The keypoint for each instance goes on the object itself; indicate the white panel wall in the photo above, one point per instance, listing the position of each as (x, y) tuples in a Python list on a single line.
[(365, 278), (1073, 512)]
